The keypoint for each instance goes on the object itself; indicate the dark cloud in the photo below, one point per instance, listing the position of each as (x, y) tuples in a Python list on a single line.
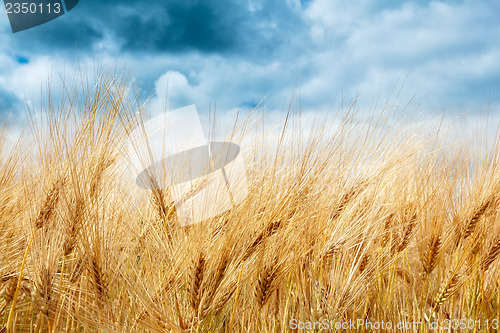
[(179, 28), (175, 26), (66, 33), (208, 26)]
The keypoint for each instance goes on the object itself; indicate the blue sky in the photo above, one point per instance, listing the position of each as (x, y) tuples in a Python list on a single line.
[(233, 53)]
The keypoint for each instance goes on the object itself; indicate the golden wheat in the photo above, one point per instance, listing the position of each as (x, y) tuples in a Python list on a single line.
[(352, 223)]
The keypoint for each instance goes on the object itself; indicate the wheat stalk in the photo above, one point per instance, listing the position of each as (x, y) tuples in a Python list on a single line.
[(265, 283), (406, 237), (450, 287), (49, 204), (473, 221), (429, 259), (196, 282), (491, 256)]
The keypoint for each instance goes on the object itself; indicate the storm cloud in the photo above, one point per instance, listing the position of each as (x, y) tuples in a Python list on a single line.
[(227, 27), (233, 53)]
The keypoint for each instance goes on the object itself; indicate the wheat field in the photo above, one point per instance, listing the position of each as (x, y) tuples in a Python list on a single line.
[(348, 228)]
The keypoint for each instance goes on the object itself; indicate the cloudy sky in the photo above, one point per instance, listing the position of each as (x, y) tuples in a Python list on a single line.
[(235, 52)]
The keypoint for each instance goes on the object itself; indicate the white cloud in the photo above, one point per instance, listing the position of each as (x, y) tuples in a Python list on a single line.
[(436, 50), (26, 80), (442, 49), (334, 17)]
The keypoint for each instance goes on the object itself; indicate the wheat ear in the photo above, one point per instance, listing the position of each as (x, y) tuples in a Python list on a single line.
[(429, 260)]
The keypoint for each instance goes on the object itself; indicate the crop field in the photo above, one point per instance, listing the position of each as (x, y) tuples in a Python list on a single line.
[(348, 228)]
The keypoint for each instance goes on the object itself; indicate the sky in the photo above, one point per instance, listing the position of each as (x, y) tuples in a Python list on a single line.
[(233, 53)]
